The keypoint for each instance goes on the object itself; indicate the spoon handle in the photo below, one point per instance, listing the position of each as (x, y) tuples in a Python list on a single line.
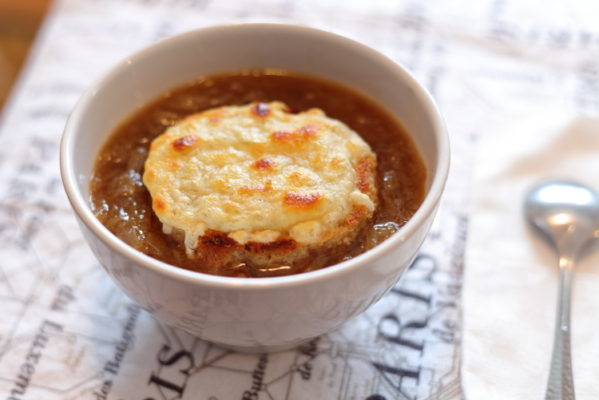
[(561, 385)]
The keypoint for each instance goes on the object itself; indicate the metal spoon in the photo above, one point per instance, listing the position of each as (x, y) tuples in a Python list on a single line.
[(567, 215)]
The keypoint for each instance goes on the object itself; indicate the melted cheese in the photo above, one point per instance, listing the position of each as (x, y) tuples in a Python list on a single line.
[(259, 173)]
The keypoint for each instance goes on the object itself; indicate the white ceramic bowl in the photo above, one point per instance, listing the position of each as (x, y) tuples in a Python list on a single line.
[(265, 314)]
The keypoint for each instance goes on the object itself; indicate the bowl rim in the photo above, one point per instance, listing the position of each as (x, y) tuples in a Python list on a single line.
[(83, 210)]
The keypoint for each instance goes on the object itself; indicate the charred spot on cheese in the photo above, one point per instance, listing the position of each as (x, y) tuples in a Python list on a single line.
[(281, 136), (260, 110), (356, 215), (184, 142), (159, 204), (301, 135), (365, 171), (264, 164), (263, 191), (301, 201)]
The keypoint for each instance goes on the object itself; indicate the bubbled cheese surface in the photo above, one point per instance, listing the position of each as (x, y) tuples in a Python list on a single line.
[(259, 173)]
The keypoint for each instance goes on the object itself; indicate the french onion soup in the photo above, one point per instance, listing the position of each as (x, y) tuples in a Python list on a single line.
[(257, 173)]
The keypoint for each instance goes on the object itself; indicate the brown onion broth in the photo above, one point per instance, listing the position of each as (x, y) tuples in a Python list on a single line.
[(122, 203)]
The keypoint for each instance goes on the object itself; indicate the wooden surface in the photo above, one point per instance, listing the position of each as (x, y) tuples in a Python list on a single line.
[(19, 22)]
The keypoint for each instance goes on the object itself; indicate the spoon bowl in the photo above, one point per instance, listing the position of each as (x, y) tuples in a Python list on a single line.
[(565, 213)]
